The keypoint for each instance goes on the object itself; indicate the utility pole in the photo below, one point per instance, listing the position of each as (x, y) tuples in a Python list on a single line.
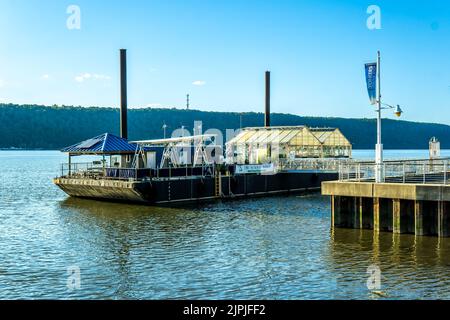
[(187, 102), (123, 95), (267, 113)]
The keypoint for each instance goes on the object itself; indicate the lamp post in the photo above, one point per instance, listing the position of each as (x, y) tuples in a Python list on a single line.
[(379, 174), (373, 79), (379, 145)]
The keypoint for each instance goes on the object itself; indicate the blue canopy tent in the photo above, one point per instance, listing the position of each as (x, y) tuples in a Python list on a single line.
[(105, 144), (110, 145)]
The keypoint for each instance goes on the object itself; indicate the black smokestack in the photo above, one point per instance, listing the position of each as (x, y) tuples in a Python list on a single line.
[(267, 115), (123, 95)]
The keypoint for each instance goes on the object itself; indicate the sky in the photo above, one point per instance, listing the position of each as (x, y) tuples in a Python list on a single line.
[(218, 51)]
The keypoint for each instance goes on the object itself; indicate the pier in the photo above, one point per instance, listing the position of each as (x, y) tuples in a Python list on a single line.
[(413, 198)]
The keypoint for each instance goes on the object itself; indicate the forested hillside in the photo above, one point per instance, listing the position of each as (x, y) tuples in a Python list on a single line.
[(39, 127)]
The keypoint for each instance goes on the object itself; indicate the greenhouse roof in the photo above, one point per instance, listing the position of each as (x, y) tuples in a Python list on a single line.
[(284, 135)]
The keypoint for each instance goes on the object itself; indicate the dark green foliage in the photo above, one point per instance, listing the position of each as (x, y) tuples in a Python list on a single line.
[(39, 127)]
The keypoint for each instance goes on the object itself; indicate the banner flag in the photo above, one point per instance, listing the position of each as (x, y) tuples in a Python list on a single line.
[(371, 79)]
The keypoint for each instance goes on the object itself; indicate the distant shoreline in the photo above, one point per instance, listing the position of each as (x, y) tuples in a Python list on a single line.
[(39, 149), (34, 127)]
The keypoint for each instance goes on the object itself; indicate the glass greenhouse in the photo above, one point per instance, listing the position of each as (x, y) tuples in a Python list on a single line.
[(272, 144)]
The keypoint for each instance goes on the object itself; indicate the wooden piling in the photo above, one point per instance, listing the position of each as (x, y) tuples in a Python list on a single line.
[(396, 223), (443, 219), (376, 214), (333, 210), (418, 216), (360, 211)]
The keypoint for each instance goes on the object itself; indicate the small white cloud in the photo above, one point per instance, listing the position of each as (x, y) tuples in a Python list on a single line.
[(101, 77), (199, 83), (45, 77), (87, 76)]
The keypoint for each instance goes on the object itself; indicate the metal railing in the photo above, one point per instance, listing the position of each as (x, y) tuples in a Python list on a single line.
[(318, 164), (84, 169), (93, 170), (415, 172)]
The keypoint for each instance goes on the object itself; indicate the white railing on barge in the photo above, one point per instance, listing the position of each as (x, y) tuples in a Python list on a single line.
[(82, 169), (312, 164), (99, 171), (394, 171)]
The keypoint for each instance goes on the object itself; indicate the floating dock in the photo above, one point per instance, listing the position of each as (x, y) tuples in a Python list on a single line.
[(129, 172), (414, 198), (182, 190), (258, 162)]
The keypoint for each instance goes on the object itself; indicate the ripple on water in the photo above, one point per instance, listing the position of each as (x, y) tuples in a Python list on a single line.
[(272, 248)]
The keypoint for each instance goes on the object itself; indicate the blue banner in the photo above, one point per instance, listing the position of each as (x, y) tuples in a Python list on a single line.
[(371, 79)]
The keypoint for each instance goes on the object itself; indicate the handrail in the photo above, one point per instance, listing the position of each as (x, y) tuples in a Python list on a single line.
[(322, 164), (90, 170), (416, 172)]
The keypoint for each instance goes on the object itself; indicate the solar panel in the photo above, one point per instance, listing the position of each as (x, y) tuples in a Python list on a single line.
[(89, 143)]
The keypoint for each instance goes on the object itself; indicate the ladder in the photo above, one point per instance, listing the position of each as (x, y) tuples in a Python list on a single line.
[(139, 153), (218, 183)]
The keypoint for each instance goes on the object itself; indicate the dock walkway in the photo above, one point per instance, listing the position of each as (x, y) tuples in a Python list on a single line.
[(414, 198)]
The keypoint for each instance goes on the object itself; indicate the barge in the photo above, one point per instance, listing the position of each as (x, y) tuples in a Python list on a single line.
[(196, 168), (150, 173), (192, 189)]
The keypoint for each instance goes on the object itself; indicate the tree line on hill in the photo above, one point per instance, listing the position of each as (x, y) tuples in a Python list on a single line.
[(42, 127)]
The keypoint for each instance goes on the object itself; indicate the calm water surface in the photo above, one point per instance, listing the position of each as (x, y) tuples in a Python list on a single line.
[(273, 248)]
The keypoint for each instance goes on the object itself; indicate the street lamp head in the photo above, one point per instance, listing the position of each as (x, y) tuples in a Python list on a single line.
[(398, 111)]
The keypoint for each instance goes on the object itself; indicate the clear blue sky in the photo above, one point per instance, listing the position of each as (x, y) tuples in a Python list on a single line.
[(218, 50)]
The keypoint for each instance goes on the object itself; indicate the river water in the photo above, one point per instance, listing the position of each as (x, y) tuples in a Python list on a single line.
[(55, 247)]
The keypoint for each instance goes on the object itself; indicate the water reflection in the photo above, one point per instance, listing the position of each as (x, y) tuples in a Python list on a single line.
[(242, 249), (211, 251), (411, 266), (269, 248), (115, 233)]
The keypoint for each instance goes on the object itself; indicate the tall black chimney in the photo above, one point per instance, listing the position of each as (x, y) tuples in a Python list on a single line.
[(123, 95), (267, 115)]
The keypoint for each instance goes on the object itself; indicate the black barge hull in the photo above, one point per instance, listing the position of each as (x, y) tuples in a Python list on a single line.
[(195, 189)]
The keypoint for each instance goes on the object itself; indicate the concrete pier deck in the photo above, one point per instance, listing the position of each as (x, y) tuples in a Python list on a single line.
[(420, 209)]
